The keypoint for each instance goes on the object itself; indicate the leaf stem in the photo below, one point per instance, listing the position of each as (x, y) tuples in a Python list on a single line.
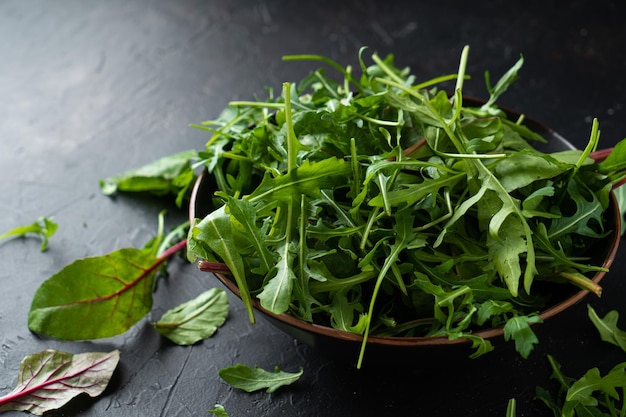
[(173, 249)]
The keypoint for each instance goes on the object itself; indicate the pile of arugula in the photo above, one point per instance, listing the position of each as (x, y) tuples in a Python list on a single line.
[(382, 205)]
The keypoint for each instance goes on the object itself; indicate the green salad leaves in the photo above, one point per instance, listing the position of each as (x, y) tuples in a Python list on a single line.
[(380, 204)]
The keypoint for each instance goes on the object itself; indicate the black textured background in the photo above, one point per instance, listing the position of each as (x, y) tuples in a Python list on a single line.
[(90, 89)]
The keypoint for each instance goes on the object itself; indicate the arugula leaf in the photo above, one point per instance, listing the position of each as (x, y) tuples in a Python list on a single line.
[(308, 179), (50, 379), (503, 83), (592, 394), (212, 234), (196, 319), (511, 408), (518, 329), (255, 379), (276, 294), (44, 227), (607, 327), (589, 211)]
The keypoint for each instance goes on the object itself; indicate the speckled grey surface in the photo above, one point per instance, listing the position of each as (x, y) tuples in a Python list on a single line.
[(89, 89)]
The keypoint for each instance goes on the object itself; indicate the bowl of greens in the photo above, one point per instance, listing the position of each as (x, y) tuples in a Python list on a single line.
[(378, 216)]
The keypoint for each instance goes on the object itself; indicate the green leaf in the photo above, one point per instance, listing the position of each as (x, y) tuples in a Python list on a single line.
[(581, 393), (503, 83), (511, 408), (492, 308), (342, 312), (276, 294), (219, 411), (607, 327), (213, 234), (159, 177), (518, 329), (255, 379), (620, 195), (50, 379), (244, 213), (505, 252), (616, 160), (95, 297), (308, 179), (523, 168), (195, 320), (44, 227), (589, 211)]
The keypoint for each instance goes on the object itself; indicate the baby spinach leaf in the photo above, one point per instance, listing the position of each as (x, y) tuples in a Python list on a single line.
[(44, 227), (196, 319), (100, 296), (170, 174), (255, 379), (50, 379), (607, 327)]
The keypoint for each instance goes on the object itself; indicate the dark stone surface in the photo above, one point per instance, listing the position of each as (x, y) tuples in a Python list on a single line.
[(89, 89)]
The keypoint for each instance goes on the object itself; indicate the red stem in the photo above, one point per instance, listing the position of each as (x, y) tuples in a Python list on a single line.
[(600, 155), (206, 266), (203, 265), (173, 249)]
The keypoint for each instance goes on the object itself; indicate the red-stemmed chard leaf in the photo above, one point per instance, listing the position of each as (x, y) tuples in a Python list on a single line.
[(50, 379), (97, 297)]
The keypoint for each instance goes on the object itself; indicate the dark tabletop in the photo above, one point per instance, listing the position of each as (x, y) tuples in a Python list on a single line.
[(90, 89)]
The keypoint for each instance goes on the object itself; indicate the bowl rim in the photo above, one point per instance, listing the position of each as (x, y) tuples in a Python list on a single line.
[(409, 341)]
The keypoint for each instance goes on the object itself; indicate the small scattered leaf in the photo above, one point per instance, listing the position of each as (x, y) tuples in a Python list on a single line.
[(607, 327), (255, 379), (160, 177), (50, 379), (44, 227), (518, 329), (219, 411), (195, 320)]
